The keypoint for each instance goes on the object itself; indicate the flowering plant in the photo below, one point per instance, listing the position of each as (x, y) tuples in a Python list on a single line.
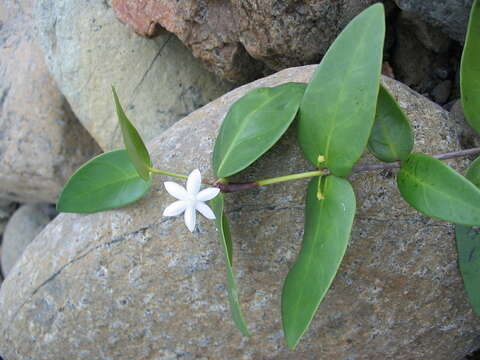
[(340, 112)]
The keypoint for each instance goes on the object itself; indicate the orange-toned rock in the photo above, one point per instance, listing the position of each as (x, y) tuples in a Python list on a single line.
[(235, 38)]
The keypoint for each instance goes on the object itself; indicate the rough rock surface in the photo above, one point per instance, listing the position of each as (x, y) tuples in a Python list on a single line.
[(468, 137), (450, 15), (231, 36), (11, 9), (158, 82), (23, 226), (41, 142), (420, 55), (131, 284)]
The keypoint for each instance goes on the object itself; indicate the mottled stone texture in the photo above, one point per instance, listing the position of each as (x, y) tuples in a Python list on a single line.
[(21, 229), (468, 137), (450, 15), (420, 54), (130, 284), (87, 50), (41, 142), (234, 38)]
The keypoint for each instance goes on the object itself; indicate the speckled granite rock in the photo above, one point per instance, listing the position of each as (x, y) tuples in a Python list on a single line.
[(21, 229), (88, 49), (468, 137), (41, 142), (10, 9), (234, 38), (132, 284)]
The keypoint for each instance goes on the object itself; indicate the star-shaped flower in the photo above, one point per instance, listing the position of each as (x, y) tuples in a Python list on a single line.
[(191, 199)]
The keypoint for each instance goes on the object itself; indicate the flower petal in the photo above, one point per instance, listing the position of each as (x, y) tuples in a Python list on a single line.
[(208, 194), (175, 208), (205, 210), (190, 218), (176, 190), (194, 182)]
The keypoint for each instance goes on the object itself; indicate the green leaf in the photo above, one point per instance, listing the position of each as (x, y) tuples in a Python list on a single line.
[(226, 243), (473, 172), (328, 224), (470, 69), (136, 149), (253, 125), (438, 191), (338, 109), (468, 246), (105, 182), (391, 138)]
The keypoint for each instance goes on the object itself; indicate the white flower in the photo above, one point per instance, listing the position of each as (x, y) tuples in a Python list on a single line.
[(190, 199)]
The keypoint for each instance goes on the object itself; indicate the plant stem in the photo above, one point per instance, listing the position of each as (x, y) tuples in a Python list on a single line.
[(289, 177), (356, 169), (167, 173), (397, 164), (234, 187)]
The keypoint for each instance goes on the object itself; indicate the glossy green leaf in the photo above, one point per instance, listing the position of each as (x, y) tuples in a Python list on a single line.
[(328, 224), (226, 243), (391, 138), (105, 182), (468, 247), (433, 188), (136, 149), (470, 69), (253, 125), (338, 109)]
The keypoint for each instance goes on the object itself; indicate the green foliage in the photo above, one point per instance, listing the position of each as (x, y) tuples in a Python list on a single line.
[(253, 125), (391, 138), (436, 190), (338, 108), (468, 246), (226, 243), (136, 149), (470, 69), (105, 182), (328, 223), (473, 173)]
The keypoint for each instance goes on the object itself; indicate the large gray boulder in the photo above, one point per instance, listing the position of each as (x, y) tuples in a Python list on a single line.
[(450, 15), (7, 208), (21, 229), (88, 49), (41, 142), (131, 284)]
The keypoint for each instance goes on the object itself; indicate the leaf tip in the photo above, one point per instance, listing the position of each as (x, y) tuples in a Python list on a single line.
[(246, 332), (292, 340), (114, 92)]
